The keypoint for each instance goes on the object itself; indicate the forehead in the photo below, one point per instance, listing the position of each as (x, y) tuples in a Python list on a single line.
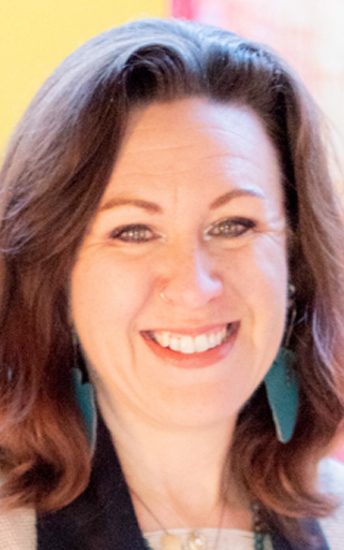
[(195, 140)]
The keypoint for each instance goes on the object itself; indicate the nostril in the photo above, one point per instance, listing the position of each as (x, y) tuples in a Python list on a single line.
[(191, 293)]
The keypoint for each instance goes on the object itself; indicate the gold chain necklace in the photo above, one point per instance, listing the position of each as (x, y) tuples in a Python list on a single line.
[(196, 540), (170, 541)]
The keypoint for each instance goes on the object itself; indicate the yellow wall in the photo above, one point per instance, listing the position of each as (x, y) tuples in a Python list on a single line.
[(35, 35)]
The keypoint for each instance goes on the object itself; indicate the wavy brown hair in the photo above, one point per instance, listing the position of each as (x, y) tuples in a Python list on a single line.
[(57, 166)]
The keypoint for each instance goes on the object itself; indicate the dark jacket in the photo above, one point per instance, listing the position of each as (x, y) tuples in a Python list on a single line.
[(103, 516)]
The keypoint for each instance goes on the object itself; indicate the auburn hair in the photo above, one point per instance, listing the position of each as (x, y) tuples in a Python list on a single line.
[(57, 167)]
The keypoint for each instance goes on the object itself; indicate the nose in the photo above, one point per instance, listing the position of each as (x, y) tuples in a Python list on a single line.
[(191, 282)]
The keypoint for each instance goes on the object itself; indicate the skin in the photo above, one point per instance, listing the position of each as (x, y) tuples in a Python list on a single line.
[(185, 168)]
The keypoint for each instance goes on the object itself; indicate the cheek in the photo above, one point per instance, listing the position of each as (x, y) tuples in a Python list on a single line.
[(259, 275), (107, 291)]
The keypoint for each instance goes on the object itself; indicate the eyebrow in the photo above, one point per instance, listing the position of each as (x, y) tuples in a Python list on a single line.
[(154, 208), (227, 197), (139, 203)]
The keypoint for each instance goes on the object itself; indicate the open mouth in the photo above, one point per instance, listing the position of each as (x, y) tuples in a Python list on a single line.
[(187, 344)]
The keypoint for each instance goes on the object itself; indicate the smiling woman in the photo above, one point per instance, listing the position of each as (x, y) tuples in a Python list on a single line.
[(212, 239), (169, 229)]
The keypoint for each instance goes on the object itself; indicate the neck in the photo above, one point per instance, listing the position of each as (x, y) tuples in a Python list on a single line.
[(176, 471)]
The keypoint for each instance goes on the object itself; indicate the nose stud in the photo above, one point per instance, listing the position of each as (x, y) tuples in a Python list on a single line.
[(164, 299)]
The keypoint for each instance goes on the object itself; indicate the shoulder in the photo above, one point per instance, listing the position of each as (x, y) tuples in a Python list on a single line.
[(331, 476), (18, 530), (331, 481)]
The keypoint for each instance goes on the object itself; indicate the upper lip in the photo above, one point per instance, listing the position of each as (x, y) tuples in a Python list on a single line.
[(196, 331)]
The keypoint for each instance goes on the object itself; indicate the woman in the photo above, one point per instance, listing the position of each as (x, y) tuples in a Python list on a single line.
[(169, 228)]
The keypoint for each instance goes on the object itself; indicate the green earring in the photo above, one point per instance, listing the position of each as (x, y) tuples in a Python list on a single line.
[(84, 395), (282, 389)]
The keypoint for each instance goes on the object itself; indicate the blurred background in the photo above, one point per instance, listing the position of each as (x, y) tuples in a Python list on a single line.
[(36, 35)]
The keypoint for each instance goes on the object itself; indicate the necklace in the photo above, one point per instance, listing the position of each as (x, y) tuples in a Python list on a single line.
[(259, 531), (196, 539), (170, 541)]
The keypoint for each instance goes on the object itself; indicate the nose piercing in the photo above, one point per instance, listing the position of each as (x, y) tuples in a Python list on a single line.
[(164, 299)]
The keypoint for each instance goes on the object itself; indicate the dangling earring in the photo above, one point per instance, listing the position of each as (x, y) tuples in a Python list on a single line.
[(281, 382), (84, 395)]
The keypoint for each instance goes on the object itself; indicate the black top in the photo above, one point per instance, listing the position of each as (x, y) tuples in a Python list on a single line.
[(103, 516)]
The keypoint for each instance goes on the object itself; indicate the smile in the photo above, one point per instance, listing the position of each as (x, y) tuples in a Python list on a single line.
[(188, 344), (192, 351)]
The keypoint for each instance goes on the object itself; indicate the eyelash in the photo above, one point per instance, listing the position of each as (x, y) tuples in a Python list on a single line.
[(136, 233), (231, 228), (228, 229)]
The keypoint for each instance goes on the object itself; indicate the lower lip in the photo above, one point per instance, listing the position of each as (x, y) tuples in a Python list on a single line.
[(194, 360)]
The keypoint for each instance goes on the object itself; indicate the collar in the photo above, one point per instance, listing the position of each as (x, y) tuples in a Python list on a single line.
[(102, 517)]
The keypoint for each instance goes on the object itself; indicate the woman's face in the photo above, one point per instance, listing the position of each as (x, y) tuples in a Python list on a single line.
[(179, 288)]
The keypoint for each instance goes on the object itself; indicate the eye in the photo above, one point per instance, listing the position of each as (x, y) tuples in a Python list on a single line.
[(134, 233), (231, 228)]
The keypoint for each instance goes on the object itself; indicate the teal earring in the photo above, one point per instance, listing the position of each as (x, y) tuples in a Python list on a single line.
[(84, 396), (282, 389), (282, 386)]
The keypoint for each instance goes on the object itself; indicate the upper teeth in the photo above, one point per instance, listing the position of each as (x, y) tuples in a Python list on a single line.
[(189, 344)]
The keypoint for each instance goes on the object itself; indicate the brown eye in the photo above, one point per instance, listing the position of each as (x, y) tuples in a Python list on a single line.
[(135, 233), (231, 228)]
